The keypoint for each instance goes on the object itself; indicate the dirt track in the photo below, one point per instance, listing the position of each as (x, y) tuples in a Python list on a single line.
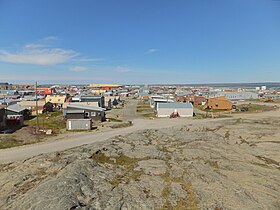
[(68, 141)]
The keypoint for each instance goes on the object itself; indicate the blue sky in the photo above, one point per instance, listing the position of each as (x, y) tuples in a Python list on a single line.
[(136, 42)]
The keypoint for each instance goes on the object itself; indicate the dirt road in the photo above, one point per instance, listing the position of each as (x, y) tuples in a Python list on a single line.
[(129, 111), (28, 151), (75, 140)]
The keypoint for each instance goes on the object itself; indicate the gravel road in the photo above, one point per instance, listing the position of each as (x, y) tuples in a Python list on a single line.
[(78, 139)]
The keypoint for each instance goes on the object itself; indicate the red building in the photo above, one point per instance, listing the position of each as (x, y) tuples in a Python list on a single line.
[(45, 91)]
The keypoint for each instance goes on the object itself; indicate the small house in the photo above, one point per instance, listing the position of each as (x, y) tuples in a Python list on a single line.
[(218, 103), (154, 102), (16, 114), (79, 124), (195, 100), (17, 110), (89, 98), (56, 100), (85, 112)]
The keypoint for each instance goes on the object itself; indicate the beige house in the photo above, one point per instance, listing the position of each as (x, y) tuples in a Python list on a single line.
[(98, 91), (32, 105), (56, 99)]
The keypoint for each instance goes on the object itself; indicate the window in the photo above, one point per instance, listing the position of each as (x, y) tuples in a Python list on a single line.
[(86, 114), (93, 114)]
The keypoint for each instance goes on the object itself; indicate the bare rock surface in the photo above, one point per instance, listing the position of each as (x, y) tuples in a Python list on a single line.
[(233, 164)]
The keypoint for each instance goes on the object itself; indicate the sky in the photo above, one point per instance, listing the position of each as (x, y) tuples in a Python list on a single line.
[(139, 42)]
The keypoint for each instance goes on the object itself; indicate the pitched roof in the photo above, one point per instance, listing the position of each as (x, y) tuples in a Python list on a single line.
[(16, 108), (74, 111), (94, 108)]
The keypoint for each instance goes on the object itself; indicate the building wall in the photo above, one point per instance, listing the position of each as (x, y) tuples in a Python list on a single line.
[(100, 100), (98, 92), (81, 124), (55, 99), (219, 103), (45, 91), (196, 100), (2, 118), (75, 116), (183, 112), (236, 95)]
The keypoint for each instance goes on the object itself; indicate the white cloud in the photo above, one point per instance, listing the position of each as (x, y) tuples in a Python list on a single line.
[(38, 56), (152, 50), (122, 69), (78, 68), (41, 53), (49, 39), (88, 59), (45, 42)]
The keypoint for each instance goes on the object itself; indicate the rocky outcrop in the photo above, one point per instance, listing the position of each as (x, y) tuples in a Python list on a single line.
[(229, 165)]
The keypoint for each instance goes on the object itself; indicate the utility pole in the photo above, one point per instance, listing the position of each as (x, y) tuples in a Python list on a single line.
[(37, 117)]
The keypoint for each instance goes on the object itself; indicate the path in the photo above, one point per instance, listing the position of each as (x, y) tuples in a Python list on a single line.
[(28, 151), (129, 110)]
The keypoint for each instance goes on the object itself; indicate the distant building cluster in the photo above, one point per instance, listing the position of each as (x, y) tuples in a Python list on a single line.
[(176, 100), (83, 105), (78, 102)]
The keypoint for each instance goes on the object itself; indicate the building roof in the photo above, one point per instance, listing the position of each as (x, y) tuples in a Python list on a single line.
[(16, 108), (175, 105), (93, 108), (74, 111), (158, 100)]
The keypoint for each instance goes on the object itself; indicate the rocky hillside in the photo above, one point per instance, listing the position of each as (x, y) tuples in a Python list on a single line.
[(229, 165)]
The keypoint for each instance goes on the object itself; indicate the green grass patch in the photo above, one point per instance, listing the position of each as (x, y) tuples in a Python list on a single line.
[(9, 141), (149, 115), (252, 108), (52, 120), (128, 164), (189, 203)]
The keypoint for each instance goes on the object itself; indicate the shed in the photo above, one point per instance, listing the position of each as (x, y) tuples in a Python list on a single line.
[(167, 109), (79, 124), (16, 109)]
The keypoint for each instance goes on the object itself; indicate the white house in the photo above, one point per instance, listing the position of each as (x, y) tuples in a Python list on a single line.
[(167, 109)]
